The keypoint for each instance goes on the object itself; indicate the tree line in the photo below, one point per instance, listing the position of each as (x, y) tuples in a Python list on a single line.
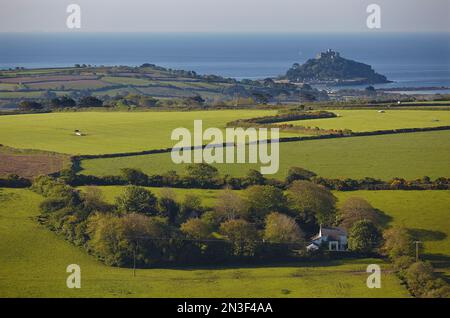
[(205, 176)]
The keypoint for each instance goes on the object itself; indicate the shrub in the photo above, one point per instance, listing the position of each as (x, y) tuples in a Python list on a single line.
[(202, 174), (297, 173), (134, 176)]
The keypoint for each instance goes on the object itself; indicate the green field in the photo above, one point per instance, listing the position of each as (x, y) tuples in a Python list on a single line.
[(126, 80), (428, 212), (410, 156), (107, 132), (33, 263), (370, 120), (29, 94)]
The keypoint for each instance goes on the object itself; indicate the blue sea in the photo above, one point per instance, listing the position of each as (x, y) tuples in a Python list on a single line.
[(409, 59)]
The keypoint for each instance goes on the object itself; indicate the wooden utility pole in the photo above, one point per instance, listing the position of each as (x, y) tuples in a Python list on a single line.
[(134, 258), (417, 249)]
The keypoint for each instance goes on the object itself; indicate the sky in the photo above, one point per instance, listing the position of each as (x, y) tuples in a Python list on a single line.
[(225, 15)]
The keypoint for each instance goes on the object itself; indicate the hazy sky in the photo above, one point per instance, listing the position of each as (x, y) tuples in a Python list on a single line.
[(224, 15)]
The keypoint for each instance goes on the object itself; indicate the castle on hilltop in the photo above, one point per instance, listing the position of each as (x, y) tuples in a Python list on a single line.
[(328, 54)]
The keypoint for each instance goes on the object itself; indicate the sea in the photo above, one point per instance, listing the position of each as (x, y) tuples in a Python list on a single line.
[(420, 60)]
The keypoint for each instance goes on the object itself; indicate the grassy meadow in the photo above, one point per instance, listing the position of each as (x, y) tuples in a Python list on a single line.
[(36, 267), (410, 156), (370, 120), (108, 132)]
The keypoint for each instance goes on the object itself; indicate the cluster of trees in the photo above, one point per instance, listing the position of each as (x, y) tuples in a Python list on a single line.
[(60, 102), (418, 276), (264, 222)]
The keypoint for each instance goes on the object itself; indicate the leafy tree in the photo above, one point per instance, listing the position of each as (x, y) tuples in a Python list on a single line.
[(146, 101), (194, 101), (229, 206), (30, 105), (397, 242), (137, 200), (202, 174), (364, 237), (281, 228), (134, 176), (356, 209), (196, 229), (262, 200), (191, 207), (90, 101), (108, 239), (297, 173), (254, 177), (314, 204), (261, 98), (242, 234), (168, 206), (64, 101)]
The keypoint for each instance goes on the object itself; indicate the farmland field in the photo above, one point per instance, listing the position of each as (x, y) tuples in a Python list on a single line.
[(411, 155), (36, 267), (30, 164), (421, 210), (369, 120), (107, 132)]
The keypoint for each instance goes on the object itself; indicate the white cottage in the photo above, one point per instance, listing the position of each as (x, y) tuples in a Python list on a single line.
[(334, 238)]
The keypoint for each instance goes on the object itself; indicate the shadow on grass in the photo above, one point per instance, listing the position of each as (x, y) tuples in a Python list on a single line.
[(383, 218), (427, 235)]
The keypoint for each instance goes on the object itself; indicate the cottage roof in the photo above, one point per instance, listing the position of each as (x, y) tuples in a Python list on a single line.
[(331, 232)]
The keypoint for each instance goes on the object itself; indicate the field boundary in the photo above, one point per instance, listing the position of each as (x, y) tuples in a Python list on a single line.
[(282, 139)]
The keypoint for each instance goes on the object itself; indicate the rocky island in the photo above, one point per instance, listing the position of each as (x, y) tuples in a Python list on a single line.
[(330, 68)]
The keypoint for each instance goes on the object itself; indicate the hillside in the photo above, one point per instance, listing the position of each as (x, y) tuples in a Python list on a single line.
[(330, 67), (153, 85)]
